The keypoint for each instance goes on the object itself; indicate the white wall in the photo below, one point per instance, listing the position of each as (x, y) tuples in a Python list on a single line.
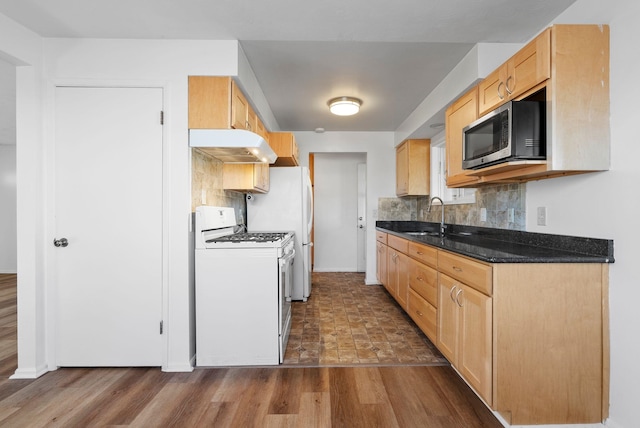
[(381, 175), (23, 49), (8, 240), (606, 205), (153, 63), (8, 234), (336, 209)]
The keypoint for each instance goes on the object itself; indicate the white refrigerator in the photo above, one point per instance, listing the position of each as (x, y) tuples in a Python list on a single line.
[(288, 206)]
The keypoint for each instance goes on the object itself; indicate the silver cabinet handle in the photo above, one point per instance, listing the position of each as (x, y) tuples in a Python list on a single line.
[(506, 85), (62, 242), (458, 297), (499, 94), (451, 293)]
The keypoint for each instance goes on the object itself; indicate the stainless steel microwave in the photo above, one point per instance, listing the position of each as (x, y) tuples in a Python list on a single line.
[(514, 131)]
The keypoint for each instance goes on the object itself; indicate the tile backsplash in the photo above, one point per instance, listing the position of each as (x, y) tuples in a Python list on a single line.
[(206, 185), (497, 200)]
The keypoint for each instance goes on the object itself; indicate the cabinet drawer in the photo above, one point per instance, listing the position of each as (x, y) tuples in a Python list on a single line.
[(424, 281), (381, 237), (424, 315), (427, 255), (399, 244), (470, 272)]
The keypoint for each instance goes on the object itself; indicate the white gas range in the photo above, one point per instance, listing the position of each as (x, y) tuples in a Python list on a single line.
[(243, 291)]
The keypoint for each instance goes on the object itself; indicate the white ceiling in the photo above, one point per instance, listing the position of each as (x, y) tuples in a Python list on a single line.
[(389, 54)]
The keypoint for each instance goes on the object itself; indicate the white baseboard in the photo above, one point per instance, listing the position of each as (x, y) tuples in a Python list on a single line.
[(8, 271), (30, 373), (180, 368), (315, 269)]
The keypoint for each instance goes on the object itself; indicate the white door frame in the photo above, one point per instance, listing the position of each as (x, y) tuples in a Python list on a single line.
[(50, 283)]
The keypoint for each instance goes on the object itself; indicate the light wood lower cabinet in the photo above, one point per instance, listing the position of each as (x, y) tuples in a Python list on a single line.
[(531, 339), (381, 262), (398, 282), (465, 332)]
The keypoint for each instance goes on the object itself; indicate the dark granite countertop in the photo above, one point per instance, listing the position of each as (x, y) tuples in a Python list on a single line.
[(504, 246)]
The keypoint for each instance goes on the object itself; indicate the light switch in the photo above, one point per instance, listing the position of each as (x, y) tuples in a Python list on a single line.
[(511, 214), (542, 216), (483, 214)]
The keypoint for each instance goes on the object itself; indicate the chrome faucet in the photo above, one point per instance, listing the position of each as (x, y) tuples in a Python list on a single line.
[(442, 229)]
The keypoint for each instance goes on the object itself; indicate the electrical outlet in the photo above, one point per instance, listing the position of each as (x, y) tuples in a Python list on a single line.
[(542, 216), (483, 214)]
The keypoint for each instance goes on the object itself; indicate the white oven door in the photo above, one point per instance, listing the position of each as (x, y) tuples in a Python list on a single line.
[(285, 283)]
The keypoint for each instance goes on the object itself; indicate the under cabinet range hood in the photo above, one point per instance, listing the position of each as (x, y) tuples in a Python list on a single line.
[(232, 145)]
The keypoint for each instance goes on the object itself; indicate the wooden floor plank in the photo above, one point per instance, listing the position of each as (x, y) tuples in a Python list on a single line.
[(324, 397)]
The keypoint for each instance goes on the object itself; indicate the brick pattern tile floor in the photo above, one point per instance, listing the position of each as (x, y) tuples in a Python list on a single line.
[(346, 322)]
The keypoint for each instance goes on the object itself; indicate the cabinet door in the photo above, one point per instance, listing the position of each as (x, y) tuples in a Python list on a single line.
[(209, 102), (245, 177), (492, 91), (261, 176), (412, 167), (475, 335), (252, 120), (448, 318), (530, 66), (284, 144), (402, 169), (381, 262), (461, 113), (239, 108), (392, 272), (402, 290)]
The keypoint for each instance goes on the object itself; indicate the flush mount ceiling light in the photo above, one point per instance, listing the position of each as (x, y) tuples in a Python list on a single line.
[(344, 106)]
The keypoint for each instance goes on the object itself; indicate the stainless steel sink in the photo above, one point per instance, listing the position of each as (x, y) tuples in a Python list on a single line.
[(423, 233)]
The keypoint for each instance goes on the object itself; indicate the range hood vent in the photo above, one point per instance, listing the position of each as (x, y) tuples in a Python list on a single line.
[(232, 145)]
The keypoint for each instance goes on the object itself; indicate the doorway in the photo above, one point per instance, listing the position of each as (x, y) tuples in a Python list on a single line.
[(108, 226), (339, 234)]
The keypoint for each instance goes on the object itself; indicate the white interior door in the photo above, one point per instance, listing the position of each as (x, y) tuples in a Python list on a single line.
[(336, 211), (362, 217), (108, 206)]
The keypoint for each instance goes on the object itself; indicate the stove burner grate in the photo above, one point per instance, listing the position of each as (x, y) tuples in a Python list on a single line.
[(251, 237)]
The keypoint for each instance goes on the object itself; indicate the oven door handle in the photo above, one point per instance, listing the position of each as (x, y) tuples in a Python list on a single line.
[(286, 263), (287, 258)]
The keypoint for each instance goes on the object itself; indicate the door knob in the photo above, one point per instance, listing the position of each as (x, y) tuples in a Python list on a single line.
[(62, 242)]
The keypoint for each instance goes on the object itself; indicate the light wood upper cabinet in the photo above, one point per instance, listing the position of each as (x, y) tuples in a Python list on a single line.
[(217, 102), (530, 66), (412, 168), (246, 177), (240, 109), (567, 68), (459, 114), (284, 144)]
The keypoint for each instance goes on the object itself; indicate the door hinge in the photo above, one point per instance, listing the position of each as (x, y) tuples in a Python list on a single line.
[(161, 326), (161, 117)]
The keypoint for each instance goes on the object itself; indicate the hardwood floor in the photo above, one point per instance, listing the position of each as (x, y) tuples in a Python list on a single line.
[(355, 396)]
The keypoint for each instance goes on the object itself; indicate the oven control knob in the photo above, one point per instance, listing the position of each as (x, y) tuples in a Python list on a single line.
[(62, 242)]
